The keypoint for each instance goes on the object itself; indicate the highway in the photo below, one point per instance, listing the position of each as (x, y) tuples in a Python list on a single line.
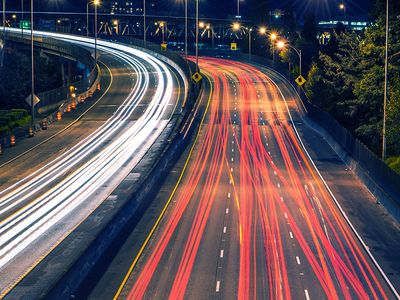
[(250, 217), (62, 182)]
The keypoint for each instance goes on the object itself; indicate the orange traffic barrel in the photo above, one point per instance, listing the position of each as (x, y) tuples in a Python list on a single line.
[(30, 132), (59, 116), (73, 105), (12, 141), (69, 108)]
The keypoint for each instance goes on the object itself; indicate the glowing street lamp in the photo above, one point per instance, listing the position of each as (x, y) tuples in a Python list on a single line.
[(236, 26), (281, 45), (342, 7), (262, 30), (202, 25)]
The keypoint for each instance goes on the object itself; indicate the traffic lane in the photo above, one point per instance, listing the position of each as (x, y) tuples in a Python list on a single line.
[(327, 214), (372, 222), (52, 268), (110, 280), (91, 121), (45, 153), (175, 211), (50, 240)]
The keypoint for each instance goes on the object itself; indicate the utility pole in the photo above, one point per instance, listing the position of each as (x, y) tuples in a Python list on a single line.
[(22, 18), (32, 71), (385, 96), (186, 28), (197, 35), (144, 24)]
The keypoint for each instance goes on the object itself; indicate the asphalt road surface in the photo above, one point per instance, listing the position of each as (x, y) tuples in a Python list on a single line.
[(250, 217), (46, 193)]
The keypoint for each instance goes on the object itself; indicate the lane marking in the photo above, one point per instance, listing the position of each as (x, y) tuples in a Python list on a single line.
[(307, 295), (221, 255), (227, 211), (217, 286), (225, 229), (298, 260)]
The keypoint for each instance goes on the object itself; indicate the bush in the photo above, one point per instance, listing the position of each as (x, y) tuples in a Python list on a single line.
[(394, 163)]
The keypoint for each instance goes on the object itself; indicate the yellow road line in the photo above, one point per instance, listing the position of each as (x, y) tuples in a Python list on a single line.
[(128, 274)]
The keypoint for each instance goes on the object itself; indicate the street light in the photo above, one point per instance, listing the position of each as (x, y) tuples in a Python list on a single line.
[(32, 72), (197, 36), (385, 94), (281, 45), (144, 23), (87, 18), (342, 7), (236, 26), (96, 3)]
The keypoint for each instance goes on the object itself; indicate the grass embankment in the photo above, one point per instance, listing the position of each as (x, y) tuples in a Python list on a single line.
[(10, 119)]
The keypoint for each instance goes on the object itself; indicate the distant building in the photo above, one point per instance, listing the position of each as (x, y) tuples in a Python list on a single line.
[(349, 23), (326, 27), (117, 7)]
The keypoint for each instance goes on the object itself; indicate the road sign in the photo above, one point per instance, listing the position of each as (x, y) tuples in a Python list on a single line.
[(36, 100), (164, 46), (300, 80), (197, 77), (234, 46)]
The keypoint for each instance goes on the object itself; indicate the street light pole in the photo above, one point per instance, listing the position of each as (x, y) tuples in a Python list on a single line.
[(144, 24), (385, 96), (197, 35), (87, 19), (95, 30), (32, 72), (22, 18), (4, 21), (186, 28), (250, 30)]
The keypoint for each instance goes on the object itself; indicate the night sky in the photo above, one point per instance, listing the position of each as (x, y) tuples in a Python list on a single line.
[(219, 8)]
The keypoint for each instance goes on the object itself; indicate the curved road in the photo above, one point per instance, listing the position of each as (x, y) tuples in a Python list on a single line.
[(64, 180), (251, 217)]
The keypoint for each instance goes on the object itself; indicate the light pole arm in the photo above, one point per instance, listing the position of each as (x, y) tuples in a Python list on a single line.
[(298, 52)]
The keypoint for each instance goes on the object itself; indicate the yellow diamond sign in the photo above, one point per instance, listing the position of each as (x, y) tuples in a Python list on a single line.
[(197, 77), (300, 80), (233, 46)]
